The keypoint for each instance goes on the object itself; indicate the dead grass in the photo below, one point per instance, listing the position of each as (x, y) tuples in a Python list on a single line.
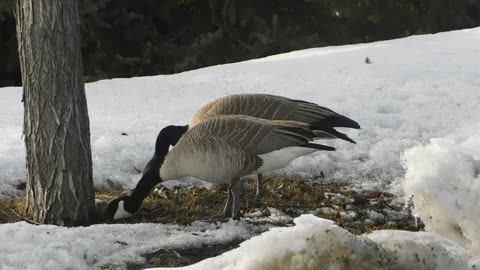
[(11, 210), (186, 205)]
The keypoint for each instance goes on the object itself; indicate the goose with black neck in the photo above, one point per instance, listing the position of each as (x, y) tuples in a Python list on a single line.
[(126, 206)]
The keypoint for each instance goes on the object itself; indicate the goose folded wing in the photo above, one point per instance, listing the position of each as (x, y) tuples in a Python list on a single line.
[(210, 159), (256, 105), (259, 136), (269, 107)]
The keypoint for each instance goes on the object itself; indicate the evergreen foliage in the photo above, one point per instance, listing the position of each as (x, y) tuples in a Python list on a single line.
[(124, 38)]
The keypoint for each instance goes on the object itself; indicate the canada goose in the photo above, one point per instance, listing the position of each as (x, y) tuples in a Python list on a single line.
[(221, 149), (322, 120)]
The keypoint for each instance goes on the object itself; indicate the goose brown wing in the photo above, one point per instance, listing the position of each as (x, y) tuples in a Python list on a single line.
[(273, 107), (320, 117), (259, 136), (256, 105)]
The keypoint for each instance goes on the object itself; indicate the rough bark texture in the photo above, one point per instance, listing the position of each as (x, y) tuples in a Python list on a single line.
[(56, 125)]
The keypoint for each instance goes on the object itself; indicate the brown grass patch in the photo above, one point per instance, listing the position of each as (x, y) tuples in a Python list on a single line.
[(188, 204)]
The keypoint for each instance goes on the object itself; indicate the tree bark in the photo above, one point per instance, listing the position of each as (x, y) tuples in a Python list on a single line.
[(56, 126)]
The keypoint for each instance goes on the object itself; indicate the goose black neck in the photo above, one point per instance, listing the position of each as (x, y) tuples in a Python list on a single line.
[(148, 181), (150, 178), (170, 135), (151, 174)]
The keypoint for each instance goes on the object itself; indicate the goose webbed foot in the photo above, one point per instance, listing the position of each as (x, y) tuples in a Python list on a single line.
[(237, 216), (227, 210), (216, 219), (232, 205)]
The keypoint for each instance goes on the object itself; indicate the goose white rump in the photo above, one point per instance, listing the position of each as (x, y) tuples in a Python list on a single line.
[(281, 158)]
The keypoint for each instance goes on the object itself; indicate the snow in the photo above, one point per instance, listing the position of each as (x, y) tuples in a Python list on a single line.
[(106, 245), (315, 242), (417, 104), (444, 180), (375, 216)]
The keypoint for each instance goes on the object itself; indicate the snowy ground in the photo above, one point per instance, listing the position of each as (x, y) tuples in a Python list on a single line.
[(416, 89), (316, 243), (113, 245)]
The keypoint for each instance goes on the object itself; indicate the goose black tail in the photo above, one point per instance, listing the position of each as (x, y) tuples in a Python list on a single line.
[(336, 121), (337, 134), (319, 146)]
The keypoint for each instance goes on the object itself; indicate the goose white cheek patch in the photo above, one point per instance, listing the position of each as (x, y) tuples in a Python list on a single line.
[(121, 212)]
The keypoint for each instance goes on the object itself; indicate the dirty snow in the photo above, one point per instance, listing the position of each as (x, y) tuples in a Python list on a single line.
[(444, 180), (315, 243)]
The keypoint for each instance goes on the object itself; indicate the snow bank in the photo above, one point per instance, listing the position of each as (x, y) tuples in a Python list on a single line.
[(315, 243), (443, 178), (25, 246)]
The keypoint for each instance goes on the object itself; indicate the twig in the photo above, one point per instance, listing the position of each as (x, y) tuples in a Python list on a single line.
[(5, 213), (154, 211), (25, 219), (137, 169)]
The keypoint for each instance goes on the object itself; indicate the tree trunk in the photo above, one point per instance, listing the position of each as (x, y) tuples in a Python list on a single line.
[(56, 125)]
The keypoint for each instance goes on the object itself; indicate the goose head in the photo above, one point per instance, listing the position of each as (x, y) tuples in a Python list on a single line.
[(116, 208), (172, 134), (126, 206)]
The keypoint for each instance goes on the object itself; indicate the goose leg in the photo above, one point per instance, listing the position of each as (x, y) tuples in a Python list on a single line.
[(260, 190), (227, 210), (236, 188)]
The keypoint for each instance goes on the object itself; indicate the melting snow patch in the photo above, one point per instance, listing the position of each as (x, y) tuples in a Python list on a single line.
[(25, 246), (349, 215), (375, 216), (316, 243), (445, 187)]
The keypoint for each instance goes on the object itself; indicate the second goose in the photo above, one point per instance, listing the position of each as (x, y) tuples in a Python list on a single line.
[(322, 120)]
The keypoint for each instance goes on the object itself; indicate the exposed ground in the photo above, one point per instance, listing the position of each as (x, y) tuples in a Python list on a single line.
[(357, 212)]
